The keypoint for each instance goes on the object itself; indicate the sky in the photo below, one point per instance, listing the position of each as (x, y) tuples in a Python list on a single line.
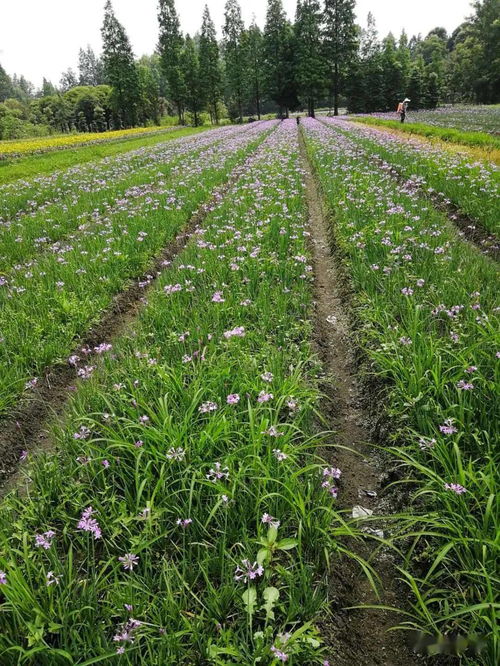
[(41, 38)]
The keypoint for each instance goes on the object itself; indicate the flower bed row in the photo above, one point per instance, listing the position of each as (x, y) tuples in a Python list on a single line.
[(427, 304)]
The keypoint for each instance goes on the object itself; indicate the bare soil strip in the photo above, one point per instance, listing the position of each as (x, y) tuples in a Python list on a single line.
[(470, 229), (356, 636), (28, 428)]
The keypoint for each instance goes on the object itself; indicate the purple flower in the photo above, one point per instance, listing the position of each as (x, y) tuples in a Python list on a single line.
[(218, 297), (89, 524), (233, 399), (279, 455), (269, 520), (51, 579), (267, 376), (217, 473), (265, 397), (129, 561), (3, 578), (248, 571), (279, 654), (238, 332), (465, 386), (426, 443), (23, 456), (176, 453), (405, 341), (448, 428), (207, 407), (272, 431), (455, 487), (103, 347), (105, 463), (407, 291), (184, 522), (471, 369), (83, 433), (332, 473), (44, 540)]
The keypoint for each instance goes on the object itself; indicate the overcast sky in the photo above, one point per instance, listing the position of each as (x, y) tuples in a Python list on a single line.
[(42, 37)]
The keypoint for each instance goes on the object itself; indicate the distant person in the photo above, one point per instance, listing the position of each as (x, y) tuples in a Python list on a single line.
[(403, 108)]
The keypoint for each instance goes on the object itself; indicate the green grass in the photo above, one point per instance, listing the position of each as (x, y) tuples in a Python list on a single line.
[(426, 304), (27, 167), (448, 134), (146, 456)]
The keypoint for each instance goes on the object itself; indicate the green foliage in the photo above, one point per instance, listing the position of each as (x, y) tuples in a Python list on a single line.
[(310, 65), (234, 56), (192, 77), (278, 51), (119, 70), (210, 66), (254, 73), (170, 49)]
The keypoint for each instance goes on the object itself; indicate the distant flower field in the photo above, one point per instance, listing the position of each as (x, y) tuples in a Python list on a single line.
[(45, 144)]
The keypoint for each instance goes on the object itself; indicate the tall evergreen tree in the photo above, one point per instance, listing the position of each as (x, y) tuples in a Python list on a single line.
[(416, 85), (170, 49), (253, 52), (310, 64), (278, 50), (68, 80), (191, 74), (210, 69), (340, 43), (234, 55), (90, 68), (394, 89), (119, 69)]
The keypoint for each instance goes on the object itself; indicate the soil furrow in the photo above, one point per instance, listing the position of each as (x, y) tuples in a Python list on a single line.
[(28, 428), (356, 636), (469, 229)]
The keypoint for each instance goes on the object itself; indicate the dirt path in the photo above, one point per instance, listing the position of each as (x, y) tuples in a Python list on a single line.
[(357, 637), (29, 427)]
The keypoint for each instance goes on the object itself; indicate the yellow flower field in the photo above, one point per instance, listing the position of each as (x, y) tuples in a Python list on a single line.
[(42, 144)]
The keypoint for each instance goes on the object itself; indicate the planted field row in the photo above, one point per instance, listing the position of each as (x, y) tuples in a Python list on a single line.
[(15, 148), (56, 296), (427, 305), (65, 187), (472, 186), (186, 517), (79, 203)]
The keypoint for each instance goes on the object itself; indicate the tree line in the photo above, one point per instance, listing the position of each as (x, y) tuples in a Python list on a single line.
[(322, 58)]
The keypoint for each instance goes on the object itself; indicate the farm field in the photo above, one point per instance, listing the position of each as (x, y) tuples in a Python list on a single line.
[(464, 118), (238, 369)]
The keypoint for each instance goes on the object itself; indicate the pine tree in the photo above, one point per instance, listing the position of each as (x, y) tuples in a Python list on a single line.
[(191, 74), (278, 57), (210, 69), (253, 53), (340, 43), (68, 80), (416, 86), (90, 68), (170, 50), (234, 56), (120, 70), (392, 71), (404, 58), (48, 88), (310, 63), (432, 90)]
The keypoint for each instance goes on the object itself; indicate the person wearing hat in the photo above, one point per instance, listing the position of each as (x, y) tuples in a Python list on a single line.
[(402, 108)]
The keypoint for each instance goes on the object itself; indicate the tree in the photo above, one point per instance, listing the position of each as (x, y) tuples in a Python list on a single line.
[(170, 48), (48, 88), (68, 80), (278, 58), (340, 43), (253, 51), (432, 91), (310, 63), (119, 69), (234, 55), (486, 26), (6, 87), (90, 68), (192, 78), (416, 86), (392, 72), (210, 70), (149, 95)]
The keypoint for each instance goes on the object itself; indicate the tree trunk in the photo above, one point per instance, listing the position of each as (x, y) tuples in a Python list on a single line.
[(257, 92), (313, 111), (336, 90)]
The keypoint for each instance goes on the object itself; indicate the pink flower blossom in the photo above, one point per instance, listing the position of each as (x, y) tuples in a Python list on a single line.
[(233, 399), (269, 520), (265, 397), (44, 540), (129, 561), (455, 487), (248, 571)]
